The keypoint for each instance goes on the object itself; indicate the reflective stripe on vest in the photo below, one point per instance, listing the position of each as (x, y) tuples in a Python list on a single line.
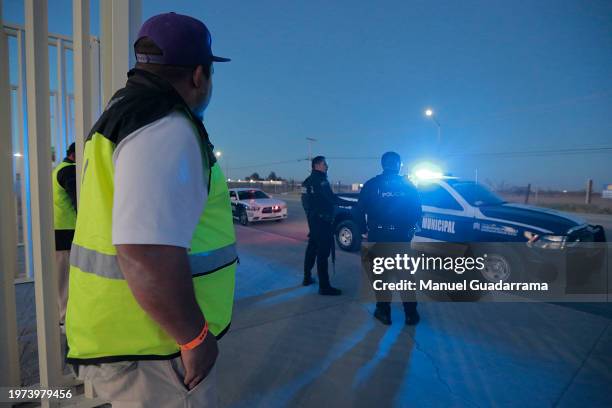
[(107, 266)]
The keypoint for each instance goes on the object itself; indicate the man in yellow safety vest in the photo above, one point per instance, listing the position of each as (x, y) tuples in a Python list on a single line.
[(63, 181), (153, 260)]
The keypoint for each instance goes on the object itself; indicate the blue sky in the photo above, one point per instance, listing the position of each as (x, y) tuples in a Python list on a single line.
[(502, 77)]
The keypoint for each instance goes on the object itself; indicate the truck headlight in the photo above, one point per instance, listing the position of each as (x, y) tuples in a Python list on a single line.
[(548, 242)]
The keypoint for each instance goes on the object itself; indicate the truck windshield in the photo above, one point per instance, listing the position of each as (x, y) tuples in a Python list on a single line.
[(251, 195), (476, 194)]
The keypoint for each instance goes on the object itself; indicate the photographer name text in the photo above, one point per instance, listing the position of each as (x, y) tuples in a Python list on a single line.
[(474, 284)]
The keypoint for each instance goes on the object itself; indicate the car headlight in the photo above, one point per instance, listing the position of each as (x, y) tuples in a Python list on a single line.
[(545, 241), (252, 208)]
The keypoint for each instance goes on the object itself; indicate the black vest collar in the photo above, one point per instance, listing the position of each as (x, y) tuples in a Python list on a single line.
[(145, 99)]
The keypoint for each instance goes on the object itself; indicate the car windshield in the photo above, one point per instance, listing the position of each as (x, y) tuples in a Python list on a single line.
[(251, 195), (477, 194)]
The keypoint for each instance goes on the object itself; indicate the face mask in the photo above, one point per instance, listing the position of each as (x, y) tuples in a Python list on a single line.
[(199, 113)]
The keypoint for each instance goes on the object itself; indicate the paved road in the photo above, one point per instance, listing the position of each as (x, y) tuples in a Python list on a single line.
[(290, 347), (294, 226)]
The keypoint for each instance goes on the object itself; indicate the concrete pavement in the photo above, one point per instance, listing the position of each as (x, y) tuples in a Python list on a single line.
[(291, 347)]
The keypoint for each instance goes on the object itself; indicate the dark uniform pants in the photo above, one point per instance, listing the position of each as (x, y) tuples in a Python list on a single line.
[(383, 300), (320, 241)]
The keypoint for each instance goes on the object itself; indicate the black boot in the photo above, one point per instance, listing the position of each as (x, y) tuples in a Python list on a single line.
[(308, 280), (383, 316), (325, 288), (413, 318)]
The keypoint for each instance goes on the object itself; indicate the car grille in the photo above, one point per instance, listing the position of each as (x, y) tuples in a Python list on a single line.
[(270, 210)]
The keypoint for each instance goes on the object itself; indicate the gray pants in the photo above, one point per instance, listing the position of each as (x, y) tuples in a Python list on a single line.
[(62, 260), (155, 383)]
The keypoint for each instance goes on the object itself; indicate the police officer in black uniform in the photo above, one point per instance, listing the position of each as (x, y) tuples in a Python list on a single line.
[(319, 202), (393, 208)]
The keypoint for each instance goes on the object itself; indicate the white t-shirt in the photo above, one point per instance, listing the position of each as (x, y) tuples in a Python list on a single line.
[(160, 188)]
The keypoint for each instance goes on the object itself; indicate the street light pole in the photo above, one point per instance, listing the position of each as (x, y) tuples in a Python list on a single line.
[(430, 114), (218, 155), (439, 133)]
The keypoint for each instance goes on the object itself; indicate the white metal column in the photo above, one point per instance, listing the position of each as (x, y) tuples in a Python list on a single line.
[(43, 240), (82, 85), (62, 97), (120, 21), (95, 79), (22, 165), (134, 24), (9, 352), (106, 37)]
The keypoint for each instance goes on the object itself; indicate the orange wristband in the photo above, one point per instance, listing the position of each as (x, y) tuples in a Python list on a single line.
[(197, 341)]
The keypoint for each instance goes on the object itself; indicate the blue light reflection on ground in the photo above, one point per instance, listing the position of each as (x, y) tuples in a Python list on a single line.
[(384, 347), (284, 395), (470, 369), (285, 297)]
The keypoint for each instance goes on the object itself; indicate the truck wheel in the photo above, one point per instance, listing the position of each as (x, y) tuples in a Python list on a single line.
[(501, 264), (348, 236), (244, 218)]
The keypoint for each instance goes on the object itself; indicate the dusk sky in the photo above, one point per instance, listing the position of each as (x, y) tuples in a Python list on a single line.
[(502, 76)]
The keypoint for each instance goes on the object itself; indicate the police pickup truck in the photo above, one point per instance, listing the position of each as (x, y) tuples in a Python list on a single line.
[(459, 211)]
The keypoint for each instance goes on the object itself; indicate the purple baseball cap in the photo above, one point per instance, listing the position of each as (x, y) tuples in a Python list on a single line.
[(183, 40)]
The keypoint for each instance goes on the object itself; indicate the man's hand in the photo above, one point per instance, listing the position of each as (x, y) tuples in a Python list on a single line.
[(199, 361)]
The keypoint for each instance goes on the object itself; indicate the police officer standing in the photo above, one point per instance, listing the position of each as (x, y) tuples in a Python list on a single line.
[(319, 202), (64, 221), (393, 208)]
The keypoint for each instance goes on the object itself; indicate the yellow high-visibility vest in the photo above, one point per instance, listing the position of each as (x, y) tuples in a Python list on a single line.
[(64, 214), (104, 322)]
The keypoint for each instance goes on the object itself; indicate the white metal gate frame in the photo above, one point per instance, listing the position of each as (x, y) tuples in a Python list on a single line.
[(62, 110), (120, 20)]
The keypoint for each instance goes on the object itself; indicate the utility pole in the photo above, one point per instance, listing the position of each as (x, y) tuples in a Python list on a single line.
[(527, 193), (310, 141), (589, 191)]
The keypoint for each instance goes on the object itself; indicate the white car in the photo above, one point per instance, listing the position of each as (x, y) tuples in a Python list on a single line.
[(252, 204)]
